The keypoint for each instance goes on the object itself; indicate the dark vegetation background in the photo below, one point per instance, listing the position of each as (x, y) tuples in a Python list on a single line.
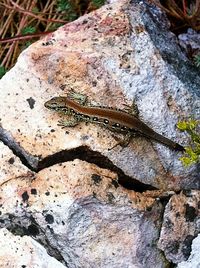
[(24, 21)]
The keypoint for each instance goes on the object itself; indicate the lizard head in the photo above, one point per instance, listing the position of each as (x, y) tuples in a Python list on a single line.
[(56, 103)]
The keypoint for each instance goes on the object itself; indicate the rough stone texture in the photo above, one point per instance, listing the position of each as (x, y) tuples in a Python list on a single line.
[(180, 225), (84, 218), (191, 38), (194, 259), (21, 252), (11, 166), (116, 54)]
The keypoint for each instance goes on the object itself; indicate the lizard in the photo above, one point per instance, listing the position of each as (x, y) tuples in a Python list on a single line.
[(117, 120)]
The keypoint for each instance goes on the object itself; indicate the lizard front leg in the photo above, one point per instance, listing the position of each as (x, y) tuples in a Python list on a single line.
[(133, 109), (68, 123), (80, 98)]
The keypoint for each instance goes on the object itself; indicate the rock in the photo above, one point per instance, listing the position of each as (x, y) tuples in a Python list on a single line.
[(180, 226), (194, 259), (191, 38), (84, 218), (85, 204), (21, 252)]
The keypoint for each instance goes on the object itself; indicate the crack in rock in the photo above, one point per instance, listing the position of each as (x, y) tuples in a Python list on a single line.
[(27, 159), (82, 153), (94, 157)]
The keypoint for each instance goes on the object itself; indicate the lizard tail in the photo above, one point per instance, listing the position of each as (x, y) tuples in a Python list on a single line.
[(179, 147), (168, 142)]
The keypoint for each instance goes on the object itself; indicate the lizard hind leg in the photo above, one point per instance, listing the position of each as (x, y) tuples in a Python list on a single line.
[(125, 142), (80, 98)]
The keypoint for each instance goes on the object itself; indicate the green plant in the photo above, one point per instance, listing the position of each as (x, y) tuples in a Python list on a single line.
[(2, 71), (98, 3), (197, 60), (69, 9), (28, 30), (192, 152)]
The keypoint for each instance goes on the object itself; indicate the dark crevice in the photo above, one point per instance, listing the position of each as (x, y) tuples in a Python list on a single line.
[(172, 265), (164, 201), (82, 153), (85, 154), (27, 159)]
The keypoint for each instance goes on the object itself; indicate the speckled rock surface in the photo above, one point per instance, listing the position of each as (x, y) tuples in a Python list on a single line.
[(84, 218), (194, 259), (116, 54), (23, 252), (180, 225)]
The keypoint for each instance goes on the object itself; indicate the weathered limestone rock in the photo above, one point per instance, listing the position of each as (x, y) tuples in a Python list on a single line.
[(84, 218), (21, 252), (180, 225)]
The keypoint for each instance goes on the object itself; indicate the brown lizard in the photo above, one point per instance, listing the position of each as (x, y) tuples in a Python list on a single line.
[(120, 121)]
